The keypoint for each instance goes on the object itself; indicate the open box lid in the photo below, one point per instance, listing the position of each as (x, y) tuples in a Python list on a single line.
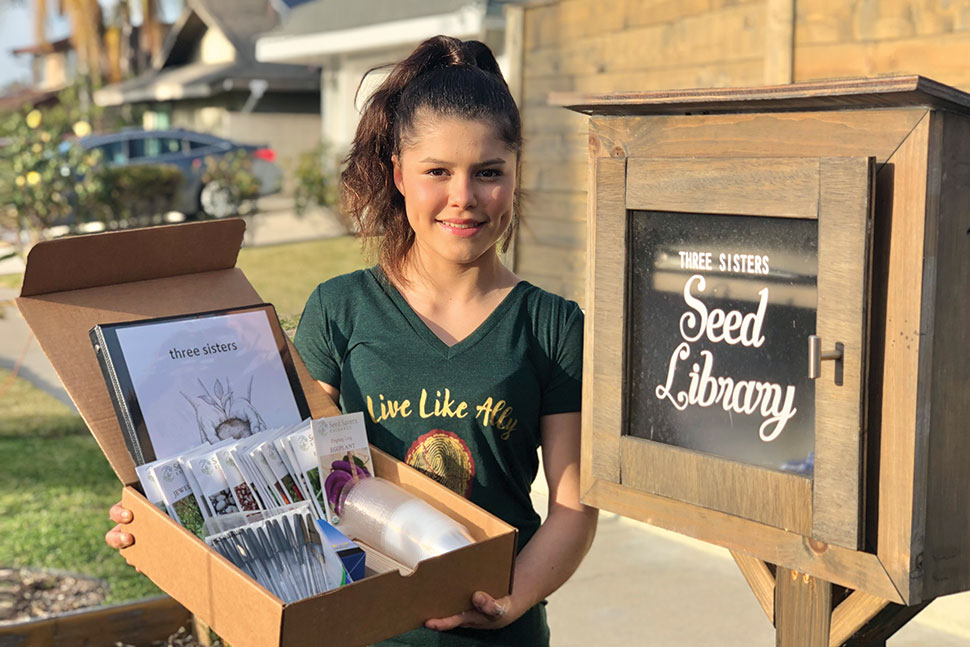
[(72, 284)]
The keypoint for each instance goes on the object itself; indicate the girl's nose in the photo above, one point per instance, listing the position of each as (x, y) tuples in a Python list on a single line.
[(463, 191)]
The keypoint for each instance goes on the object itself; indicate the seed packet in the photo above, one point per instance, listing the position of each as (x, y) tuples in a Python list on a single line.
[(274, 487), (282, 446), (239, 452), (213, 483), (150, 486), (343, 455), (240, 488), (283, 476), (301, 446), (193, 481), (297, 449), (182, 504), (193, 477)]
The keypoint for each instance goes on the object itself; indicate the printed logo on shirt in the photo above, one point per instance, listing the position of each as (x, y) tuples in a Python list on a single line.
[(493, 412), (445, 457)]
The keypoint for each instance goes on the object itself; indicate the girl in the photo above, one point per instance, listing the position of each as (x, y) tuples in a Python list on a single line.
[(462, 369)]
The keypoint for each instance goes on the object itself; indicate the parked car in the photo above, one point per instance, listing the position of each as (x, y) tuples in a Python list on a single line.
[(188, 151)]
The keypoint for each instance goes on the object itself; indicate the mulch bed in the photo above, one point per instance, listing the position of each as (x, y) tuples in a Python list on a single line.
[(28, 594), (32, 594)]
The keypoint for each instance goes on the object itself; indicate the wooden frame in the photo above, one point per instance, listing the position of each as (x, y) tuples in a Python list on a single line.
[(140, 622), (836, 192), (917, 503)]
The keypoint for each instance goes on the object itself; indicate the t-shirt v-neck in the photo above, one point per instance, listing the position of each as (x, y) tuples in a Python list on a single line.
[(467, 415), (423, 331)]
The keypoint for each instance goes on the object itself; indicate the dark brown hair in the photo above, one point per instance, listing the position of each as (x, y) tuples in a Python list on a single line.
[(446, 77)]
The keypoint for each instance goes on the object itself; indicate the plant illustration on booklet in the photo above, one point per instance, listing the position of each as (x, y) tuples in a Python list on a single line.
[(222, 414)]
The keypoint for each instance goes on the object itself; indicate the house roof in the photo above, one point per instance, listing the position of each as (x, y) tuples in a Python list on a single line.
[(240, 21), (328, 16), (177, 76), (312, 31), (200, 80), (61, 45), (29, 96)]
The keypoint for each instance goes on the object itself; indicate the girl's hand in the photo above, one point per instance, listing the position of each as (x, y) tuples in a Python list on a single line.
[(487, 613), (118, 537)]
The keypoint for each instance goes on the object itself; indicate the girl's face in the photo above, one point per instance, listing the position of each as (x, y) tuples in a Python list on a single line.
[(458, 182)]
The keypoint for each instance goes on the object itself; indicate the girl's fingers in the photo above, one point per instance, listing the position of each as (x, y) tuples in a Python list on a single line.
[(489, 606), (449, 623), (119, 514), (488, 613), (118, 538)]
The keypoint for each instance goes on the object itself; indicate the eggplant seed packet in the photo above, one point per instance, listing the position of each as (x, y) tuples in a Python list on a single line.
[(343, 455)]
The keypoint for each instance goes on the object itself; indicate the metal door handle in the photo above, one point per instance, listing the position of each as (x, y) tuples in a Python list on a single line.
[(816, 355)]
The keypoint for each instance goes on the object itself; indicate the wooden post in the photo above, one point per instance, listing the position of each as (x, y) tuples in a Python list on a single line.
[(803, 610), (514, 55), (809, 612)]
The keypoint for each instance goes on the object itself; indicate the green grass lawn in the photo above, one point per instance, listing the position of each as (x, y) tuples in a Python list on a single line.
[(11, 281), (55, 490), (285, 275), (55, 484)]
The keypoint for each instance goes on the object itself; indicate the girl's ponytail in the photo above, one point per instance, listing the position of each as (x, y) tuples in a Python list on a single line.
[(447, 76)]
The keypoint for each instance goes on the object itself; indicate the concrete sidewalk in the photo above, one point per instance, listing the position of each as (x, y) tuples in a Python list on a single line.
[(642, 585), (16, 342), (639, 585), (276, 223)]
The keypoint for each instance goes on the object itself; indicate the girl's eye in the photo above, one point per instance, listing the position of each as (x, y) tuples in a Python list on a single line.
[(490, 172), (436, 172)]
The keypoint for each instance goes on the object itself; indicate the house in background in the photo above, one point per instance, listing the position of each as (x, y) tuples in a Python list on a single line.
[(346, 39), (589, 46), (53, 66), (208, 79)]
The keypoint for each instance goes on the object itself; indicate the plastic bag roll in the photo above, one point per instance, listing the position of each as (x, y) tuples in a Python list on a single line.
[(398, 524)]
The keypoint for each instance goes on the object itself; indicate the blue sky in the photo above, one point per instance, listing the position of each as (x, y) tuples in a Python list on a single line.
[(17, 30)]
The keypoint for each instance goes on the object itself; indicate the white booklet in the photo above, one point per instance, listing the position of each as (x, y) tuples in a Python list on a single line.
[(180, 382)]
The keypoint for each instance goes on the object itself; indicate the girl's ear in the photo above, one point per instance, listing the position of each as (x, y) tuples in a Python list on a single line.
[(398, 174)]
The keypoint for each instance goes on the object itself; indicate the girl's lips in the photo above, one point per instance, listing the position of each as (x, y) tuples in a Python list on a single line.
[(463, 228)]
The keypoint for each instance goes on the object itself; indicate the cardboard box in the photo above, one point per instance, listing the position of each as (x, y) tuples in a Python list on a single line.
[(72, 284)]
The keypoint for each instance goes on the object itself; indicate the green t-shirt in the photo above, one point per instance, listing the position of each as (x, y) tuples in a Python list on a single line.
[(467, 415)]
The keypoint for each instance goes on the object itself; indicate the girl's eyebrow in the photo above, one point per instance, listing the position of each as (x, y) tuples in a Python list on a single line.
[(491, 162)]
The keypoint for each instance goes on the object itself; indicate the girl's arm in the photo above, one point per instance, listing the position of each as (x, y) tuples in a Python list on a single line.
[(330, 390), (557, 548)]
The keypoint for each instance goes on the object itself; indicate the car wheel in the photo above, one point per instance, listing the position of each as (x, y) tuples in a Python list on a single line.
[(218, 200)]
